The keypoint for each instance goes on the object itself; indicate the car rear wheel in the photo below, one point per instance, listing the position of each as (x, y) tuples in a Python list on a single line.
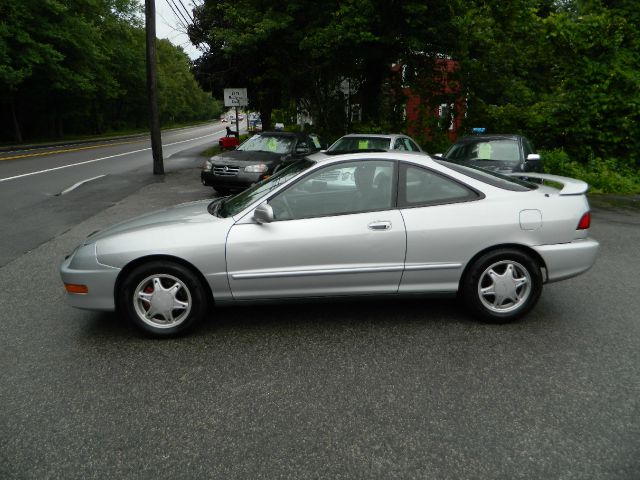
[(502, 286), (163, 298)]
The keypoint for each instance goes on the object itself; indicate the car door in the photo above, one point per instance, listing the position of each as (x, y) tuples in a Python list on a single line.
[(335, 232), (441, 217)]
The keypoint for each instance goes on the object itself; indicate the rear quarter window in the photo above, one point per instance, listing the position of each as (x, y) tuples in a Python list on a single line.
[(491, 178), (422, 187)]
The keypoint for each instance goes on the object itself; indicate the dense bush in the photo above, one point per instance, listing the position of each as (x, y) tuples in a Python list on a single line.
[(602, 175)]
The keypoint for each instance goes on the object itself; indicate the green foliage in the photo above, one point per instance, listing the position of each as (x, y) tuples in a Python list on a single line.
[(602, 175), (593, 103), (563, 73), (78, 67), (180, 97), (431, 132), (303, 50)]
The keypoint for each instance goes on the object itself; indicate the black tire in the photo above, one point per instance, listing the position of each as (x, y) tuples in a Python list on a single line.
[(180, 298), (516, 291)]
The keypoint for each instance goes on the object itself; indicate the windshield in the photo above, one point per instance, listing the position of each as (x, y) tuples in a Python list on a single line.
[(485, 150), (268, 143), (234, 205), (352, 144), (492, 178)]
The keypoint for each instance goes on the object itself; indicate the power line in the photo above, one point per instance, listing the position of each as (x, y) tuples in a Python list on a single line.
[(185, 21), (175, 14), (189, 16)]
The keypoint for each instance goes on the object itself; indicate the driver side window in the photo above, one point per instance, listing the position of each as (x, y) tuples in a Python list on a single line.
[(338, 189)]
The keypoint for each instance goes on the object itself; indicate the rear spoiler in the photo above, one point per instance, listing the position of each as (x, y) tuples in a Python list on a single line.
[(570, 186)]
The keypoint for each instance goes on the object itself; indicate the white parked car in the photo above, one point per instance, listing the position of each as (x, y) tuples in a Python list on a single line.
[(373, 141)]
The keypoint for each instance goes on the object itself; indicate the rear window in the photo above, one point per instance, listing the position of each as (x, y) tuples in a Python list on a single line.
[(491, 178), (354, 144)]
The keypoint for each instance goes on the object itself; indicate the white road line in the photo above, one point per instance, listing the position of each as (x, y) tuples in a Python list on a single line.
[(81, 182), (104, 158)]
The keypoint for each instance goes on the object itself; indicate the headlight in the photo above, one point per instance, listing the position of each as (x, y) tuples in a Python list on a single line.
[(260, 168), (207, 165), (84, 257)]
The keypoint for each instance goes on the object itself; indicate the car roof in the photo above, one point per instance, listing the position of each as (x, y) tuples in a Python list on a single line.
[(495, 136), (278, 133), (415, 157), (373, 135), (320, 159)]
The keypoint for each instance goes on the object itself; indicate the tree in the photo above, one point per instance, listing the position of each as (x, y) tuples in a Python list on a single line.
[(303, 51), (21, 51), (78, 67), (593, 106), (250, 44), (564, 73)]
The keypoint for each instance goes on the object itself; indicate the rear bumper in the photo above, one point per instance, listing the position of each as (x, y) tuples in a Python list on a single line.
[(566, 260)]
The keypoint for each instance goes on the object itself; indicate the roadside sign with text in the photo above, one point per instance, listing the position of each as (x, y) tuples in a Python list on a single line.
[(235, 97)]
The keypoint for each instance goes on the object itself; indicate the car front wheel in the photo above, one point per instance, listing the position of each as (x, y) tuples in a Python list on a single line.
[(502, 286), (163, 298)]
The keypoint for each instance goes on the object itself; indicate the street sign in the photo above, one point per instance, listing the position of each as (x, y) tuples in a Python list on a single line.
[(235, 97)]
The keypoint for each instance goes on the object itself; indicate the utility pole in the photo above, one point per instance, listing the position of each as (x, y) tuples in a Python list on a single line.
[(152, 87)]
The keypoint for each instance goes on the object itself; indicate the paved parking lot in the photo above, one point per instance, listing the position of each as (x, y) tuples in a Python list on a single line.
[(369, 389)]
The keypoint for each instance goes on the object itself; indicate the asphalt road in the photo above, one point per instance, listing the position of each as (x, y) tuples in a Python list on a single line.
[(45, 191), (396, 389)]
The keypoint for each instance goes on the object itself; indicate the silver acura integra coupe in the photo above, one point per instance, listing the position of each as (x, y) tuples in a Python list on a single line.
[(386, 223)]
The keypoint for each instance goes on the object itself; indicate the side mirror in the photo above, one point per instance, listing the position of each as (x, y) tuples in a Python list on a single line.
[(533, 157), (302, 150), (263, 213)]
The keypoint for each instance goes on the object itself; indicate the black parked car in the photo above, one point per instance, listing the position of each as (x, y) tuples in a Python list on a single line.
[(257, 158), (499, 153)]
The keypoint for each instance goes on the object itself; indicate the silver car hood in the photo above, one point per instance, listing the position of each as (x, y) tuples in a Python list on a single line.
[(186, 213)]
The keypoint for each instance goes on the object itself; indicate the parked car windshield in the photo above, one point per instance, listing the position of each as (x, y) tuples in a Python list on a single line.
[(352, 144), (492, 178), (489, 150), (234, 205), (268, 143)]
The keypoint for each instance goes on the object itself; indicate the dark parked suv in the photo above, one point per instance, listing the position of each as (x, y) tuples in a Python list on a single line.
[(256, 159), (499, 153)]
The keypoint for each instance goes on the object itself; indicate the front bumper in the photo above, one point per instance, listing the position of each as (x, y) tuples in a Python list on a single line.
[(237, 182), (566, 260), (82, 268)]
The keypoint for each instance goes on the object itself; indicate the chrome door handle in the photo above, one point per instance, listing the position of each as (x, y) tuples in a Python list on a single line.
[(380, 225)]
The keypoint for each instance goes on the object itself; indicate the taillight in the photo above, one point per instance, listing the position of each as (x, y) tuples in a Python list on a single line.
[(585, 221)]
